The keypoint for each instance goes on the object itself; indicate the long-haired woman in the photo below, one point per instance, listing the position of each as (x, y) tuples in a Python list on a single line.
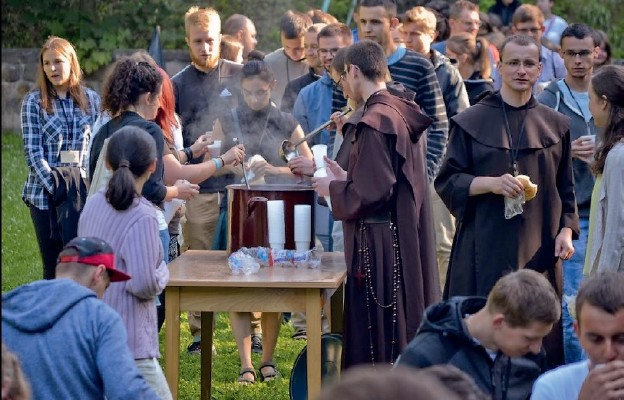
[(57, 117), (473, 62), (606, 220), (125, 219)]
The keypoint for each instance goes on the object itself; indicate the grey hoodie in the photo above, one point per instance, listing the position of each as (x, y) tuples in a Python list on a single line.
[(558, 97), (71, 344)]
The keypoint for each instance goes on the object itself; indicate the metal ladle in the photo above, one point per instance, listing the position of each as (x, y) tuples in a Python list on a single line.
[(288, 149), (236, 142)]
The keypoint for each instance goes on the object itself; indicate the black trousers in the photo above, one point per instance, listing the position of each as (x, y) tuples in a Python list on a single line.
[(49, 247)]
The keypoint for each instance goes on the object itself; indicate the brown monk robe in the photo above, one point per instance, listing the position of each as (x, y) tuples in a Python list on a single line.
[(486, 245), (383, 202)]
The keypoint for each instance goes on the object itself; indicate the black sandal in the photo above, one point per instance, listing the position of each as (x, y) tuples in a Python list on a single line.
[(246, 381), (271, 375)]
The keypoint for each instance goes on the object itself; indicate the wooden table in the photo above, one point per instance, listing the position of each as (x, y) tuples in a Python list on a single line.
[(200, 280)]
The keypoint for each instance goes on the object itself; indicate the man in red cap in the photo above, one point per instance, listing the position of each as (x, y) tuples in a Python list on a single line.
[(71, 344)]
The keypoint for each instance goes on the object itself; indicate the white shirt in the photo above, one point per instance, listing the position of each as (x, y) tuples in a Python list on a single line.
[(562, 383)]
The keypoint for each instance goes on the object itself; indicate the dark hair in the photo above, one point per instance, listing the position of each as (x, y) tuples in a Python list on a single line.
[(294, 24), (234, 24), (370, 59), (337, 30), (319, 16), (389, 5), (608, 83), (454, 379), (257, 68), (579, 31), (520, 40), (127, 82), (523, 297), (255, 55), (477, 50), (603, 290), (130, 152)]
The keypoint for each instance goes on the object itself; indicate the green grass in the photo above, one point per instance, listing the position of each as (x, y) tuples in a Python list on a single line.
[(21, 263)]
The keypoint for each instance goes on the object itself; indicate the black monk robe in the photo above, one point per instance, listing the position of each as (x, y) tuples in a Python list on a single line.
[(487, 245), (386, 176)]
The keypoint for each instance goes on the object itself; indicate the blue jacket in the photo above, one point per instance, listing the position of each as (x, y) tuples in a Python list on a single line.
[(313, 107), (71, 344)]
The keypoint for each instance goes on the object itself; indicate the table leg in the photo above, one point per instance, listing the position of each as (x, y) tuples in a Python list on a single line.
[(337, 309), (172, 338), (313, 321), (206, 354)]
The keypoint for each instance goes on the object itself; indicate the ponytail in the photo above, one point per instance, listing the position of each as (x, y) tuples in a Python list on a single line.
[(130, 153), (483, 56)]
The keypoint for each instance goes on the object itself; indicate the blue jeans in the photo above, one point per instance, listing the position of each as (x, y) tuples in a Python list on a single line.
[(572, 277)]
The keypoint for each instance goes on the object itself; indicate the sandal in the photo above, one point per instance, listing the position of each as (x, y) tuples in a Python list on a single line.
[(246, 381), (269, 376)]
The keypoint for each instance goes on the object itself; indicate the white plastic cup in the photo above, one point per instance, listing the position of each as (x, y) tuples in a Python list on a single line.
[(215, 148), (321, 173), (303, 223), (589, 138), (276, 228), (319, 151)]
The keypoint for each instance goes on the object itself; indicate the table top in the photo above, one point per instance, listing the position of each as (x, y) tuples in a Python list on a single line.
[(209, 268)]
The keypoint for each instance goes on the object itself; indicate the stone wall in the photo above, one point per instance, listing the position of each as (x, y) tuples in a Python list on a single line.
[(19, 73)]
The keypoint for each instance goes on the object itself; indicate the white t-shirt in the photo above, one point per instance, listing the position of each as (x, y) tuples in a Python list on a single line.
[(562, 383)]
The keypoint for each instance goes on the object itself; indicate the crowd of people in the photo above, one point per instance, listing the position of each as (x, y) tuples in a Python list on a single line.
[(476, 191)]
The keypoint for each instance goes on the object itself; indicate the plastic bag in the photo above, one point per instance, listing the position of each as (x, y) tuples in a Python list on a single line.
[(514, 206), (241, 263), (266, 257)]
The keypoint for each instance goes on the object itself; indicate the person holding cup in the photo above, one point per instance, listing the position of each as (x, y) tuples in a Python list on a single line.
[(570, 97)]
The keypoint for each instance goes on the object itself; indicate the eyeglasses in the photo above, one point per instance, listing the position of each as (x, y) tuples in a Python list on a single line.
[(342, 75), (527, 64), (526, 31), (324, 52), (581, 53)]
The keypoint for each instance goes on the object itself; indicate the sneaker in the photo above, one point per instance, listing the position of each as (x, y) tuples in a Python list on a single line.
[(195, 348), (256, 343)]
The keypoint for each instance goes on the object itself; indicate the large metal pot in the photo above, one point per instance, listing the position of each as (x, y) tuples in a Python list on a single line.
[(247, 213)]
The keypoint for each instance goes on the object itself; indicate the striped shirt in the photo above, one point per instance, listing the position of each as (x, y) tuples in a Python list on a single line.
[(46, 135), (133, 235), (416, 73)]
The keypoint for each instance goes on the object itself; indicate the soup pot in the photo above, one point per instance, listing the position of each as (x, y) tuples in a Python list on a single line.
[(247, 213)]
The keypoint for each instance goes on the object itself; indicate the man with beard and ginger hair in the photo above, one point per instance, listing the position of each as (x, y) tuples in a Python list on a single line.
[(204, 90), (376, 20), (492, 142), (384, 203)]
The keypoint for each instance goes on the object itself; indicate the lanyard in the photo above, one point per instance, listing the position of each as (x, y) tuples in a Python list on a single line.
[(70, 126), (578, 106), (514, 152)]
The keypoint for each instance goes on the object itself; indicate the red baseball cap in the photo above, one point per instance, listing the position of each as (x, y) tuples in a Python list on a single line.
[(94, 251)]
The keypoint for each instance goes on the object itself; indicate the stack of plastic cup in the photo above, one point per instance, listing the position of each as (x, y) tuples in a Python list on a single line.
[(277, 226), (303, 227), (319, 151)]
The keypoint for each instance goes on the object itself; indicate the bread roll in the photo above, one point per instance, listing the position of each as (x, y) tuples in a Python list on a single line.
[(530, 188)]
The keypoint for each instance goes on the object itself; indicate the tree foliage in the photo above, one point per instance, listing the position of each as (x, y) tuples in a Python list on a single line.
[(97, 28)]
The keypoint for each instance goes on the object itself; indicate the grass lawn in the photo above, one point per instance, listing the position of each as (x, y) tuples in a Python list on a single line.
[(21, 263)]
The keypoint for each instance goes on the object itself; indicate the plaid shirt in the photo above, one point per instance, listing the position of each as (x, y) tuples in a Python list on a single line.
[(46, 135)]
